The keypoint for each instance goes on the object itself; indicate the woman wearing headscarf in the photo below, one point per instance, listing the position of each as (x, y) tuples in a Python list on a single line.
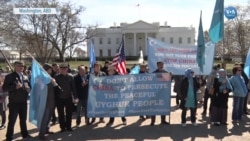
[(239, 93), (222, 87), (189, 87)]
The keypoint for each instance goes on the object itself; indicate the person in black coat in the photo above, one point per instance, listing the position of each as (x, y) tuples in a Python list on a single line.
[(160, 69), (111, 71), (219, 99), (189, 87), (177, 88), (64, 102), (55, 71), (81, 83), (18, 87), (105, 67)]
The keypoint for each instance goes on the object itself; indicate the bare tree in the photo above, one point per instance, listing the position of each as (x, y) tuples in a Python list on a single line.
[(43, 34), (237, 33), (69, 30)]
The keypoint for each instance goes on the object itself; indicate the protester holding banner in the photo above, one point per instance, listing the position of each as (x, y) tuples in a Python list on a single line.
[(160, 69), (143, 69), (17, 85), (189, 87), (219, 99), (81, 82), (239, 93), (64, 97), (111, 71), (209, 90), (98, 73), (105, 67), (49, 107)]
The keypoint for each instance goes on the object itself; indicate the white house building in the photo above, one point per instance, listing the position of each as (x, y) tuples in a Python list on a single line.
[(107, 40)]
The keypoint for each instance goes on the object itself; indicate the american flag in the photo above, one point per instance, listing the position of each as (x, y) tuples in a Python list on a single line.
[(119, 60)]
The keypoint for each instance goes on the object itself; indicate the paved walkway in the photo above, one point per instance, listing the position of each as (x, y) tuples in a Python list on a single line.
[(138, 131)]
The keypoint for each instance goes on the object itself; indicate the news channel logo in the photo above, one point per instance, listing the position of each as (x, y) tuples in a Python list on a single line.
[(38, 11)]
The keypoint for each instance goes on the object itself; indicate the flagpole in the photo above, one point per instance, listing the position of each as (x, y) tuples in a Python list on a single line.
[(43, 69), (92, 58)]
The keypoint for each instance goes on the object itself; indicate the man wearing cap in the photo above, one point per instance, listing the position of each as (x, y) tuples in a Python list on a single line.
[(112, 71), (160, 69), (17, 85), (64, 97)]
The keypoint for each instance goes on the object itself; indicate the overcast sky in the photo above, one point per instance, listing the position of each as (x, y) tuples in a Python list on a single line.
[(175, 12)]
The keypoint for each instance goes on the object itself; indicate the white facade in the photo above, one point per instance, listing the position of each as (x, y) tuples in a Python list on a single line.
[(107, 40)]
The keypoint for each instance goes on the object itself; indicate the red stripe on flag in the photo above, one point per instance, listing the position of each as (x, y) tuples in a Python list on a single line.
[(119, 60)]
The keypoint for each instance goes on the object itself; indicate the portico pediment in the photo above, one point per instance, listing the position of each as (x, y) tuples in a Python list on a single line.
[(140, 25)]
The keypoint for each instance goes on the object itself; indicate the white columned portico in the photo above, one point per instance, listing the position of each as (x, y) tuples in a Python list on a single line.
[(125, 45), (146, 43), (135, 44)]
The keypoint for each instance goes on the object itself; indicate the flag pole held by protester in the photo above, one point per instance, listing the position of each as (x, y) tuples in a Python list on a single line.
[(200, 57), (92, 58)]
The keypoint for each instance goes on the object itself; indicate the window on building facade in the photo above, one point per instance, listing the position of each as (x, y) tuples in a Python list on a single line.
[(100, 40), (163, 39), (117, 40), (180, 40), (171, 40), (109, 40), (101, 53), (109, 52), (189, 40)]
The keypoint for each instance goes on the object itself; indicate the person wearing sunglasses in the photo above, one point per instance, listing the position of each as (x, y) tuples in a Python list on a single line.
[(239, 93)]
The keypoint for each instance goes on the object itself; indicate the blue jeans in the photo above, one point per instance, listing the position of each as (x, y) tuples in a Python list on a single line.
[(238, 103)]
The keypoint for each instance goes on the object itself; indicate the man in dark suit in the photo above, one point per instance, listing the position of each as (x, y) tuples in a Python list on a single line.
[(55, 71), (17, 85), (81, 83), (64, 97)]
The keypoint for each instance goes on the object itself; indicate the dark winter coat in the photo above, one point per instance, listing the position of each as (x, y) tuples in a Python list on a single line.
[(184, 91)]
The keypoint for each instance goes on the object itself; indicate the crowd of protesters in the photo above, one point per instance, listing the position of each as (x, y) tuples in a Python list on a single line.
[(215, 87)]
